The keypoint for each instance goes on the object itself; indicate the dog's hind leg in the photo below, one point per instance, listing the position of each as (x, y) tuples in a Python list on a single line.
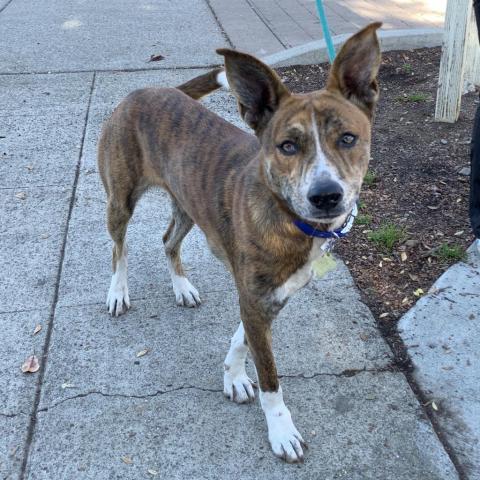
[(185, 293), (118, 215), (237, 386)]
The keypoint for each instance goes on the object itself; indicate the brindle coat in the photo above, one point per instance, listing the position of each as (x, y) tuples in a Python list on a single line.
[(240, 189)]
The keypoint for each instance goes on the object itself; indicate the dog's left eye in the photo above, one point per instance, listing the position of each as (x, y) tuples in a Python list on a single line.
[(288, 148), (348, 140)]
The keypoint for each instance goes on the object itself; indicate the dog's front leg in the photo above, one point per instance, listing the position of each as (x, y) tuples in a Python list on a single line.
[(284, 438)]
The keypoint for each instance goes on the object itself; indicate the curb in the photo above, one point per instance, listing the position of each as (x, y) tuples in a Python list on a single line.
[(316, 52)]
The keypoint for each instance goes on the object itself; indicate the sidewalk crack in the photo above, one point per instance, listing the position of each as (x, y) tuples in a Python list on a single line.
[(124, 395)]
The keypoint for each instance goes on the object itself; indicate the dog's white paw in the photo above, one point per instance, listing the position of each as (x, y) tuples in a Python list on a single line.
[(186, 294), (118, 300), (286, 441), (238, 388), (284, 438)]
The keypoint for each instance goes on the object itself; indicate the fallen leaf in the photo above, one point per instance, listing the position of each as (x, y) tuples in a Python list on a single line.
[(434, 406), (156, 58), (127, 460), (418, 292), (460, 232), (405, 300), (37, 329), (383, 315), (431, 207), (21, 195), (141, 353), (152, 472), (413, 277), (403, 256), (31, 365)]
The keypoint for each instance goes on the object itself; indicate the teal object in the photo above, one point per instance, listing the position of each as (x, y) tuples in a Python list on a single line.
[(326, 31)]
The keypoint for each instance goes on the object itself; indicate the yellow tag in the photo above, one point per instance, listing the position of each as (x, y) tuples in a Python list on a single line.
[(324, 264)]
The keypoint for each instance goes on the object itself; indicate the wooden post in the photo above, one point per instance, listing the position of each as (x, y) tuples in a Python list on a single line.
[(472, 58), (452, 65)]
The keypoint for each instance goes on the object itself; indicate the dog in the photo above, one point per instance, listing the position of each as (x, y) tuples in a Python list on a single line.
[(259, 199)]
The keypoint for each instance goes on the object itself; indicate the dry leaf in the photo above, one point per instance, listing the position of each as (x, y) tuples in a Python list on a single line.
[(152, 472), (37, 329), (460, 232), (403, 256), (418, 292), (31, 365), (126, 459), (383, 315), (21, 195), (141, 353), (405, 300), (434, 406), (156, 58), (413, 277)]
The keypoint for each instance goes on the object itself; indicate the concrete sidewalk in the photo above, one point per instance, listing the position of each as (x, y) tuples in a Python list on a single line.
[(97, 411), (263, 27)]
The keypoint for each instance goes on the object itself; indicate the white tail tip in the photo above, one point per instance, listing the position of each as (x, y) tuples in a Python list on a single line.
[(222, 80)]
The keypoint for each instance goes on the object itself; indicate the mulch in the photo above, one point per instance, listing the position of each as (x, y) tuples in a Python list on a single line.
[(415, 185)]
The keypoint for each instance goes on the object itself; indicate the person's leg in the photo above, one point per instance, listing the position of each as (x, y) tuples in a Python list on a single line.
[(475, 158)]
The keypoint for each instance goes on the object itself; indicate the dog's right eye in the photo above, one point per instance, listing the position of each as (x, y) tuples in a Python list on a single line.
[(288, 148)]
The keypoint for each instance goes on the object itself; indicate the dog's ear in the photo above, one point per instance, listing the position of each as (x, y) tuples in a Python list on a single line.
[(257, 87), (354, 71)]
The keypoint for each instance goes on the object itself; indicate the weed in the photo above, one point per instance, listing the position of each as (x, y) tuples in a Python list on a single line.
[(387, 236), (446, 252), (415, 97), (370, 178), (364, 219)]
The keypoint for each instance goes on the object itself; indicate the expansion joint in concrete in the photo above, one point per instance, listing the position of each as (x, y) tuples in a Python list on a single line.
[(48, 335), (220, 26)]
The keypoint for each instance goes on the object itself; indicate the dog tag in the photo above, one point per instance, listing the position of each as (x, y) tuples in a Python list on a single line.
[(323, 265)]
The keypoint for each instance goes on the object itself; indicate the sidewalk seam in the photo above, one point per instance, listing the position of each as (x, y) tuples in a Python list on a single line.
[(38, 390), (219, 23), (259, 15), (6, 5), (114, 70)]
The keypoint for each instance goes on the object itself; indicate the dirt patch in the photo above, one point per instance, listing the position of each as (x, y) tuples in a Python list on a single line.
[(413, 219)]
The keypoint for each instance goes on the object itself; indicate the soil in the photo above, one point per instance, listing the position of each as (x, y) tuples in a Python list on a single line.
[(415, 185)]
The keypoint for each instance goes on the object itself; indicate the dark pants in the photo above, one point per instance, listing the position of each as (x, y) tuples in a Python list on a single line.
[(475, 156)]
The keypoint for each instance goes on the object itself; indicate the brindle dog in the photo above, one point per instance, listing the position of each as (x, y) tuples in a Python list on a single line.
[(306, 161)]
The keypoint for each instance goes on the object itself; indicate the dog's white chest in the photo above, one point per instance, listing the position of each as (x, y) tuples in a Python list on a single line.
[(302, 276)]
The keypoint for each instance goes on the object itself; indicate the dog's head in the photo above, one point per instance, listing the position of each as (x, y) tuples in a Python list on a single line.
[(315, 146)]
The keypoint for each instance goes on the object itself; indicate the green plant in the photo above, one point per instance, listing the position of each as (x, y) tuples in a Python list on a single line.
[(407, 68), (364, 219), (415, 97), (370, 178), (387, 236), (446, 252)]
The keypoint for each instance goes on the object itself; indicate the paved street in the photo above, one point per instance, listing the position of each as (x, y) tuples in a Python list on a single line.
[(96, 410)]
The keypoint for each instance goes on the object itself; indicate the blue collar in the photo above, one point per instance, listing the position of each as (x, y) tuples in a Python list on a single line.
[(311, 231)]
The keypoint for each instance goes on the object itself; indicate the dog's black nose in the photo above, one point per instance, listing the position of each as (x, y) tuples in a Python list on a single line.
[(325, 195)]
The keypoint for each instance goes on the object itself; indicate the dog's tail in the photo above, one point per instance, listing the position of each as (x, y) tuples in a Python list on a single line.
[(204, 84)]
